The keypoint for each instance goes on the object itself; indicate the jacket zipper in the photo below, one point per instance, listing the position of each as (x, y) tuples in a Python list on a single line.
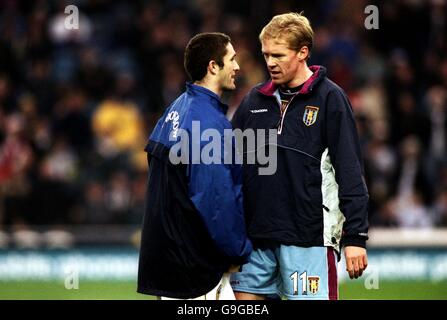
[(283, 114)]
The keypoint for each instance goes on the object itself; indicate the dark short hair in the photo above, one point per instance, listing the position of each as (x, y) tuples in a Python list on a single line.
[(203, 48)]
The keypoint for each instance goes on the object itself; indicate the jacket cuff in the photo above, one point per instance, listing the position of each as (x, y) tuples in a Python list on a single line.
[(354, 241)]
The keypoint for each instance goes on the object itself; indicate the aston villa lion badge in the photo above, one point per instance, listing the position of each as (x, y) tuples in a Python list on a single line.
[(314, 284), (310, 115)]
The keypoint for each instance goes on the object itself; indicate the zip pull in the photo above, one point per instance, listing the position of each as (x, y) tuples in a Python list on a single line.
[(278, 124)]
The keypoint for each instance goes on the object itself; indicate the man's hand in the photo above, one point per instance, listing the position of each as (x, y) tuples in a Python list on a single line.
[(356, 261), (234, 268)]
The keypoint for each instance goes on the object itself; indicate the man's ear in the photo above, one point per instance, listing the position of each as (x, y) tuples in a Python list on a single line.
[(303, 54), (213, 67)]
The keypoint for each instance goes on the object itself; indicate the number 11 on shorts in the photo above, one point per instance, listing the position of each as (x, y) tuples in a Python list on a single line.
[(303, 278)]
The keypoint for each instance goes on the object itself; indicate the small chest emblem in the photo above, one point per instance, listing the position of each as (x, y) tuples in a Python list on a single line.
[(310, 115), (259, 110)]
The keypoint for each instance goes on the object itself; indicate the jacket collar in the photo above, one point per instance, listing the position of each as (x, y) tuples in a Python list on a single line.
[(319, 72), (194, 89)]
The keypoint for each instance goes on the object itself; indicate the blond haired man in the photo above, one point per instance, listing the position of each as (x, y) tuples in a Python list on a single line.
[(315, 204)]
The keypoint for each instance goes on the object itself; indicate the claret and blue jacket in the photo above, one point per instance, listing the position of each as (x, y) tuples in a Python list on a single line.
[(318, 196)]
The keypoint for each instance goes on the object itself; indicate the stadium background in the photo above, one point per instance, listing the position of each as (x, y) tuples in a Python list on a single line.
[(76, 107)]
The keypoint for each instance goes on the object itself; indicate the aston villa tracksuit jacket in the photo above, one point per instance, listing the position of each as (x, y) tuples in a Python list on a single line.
[(318, 196)]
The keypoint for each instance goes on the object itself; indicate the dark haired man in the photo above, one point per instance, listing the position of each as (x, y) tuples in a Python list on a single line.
[(193, 229)]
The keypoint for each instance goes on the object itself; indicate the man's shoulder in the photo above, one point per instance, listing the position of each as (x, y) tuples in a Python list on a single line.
[(194, 108), (330, 87), (336, 98), (256, 92), (209, 116), (257, 87)]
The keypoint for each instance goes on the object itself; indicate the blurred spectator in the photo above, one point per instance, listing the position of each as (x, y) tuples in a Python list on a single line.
[(436, 102), (41, 85), (410, 212), (118, 124), (138, 199), (409, 121), (441, 209), (385, 216), (371, 67), (72, 122), (413, 191), (6, 95), (54, 193), (380, 165), (118, 197), (15, 161), (27, 106), (173, 77), (94, 207), (93, 76), (60, 164), (411, 175)]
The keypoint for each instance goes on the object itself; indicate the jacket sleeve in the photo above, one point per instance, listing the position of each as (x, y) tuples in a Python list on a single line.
[(215, 190), (345, 154)]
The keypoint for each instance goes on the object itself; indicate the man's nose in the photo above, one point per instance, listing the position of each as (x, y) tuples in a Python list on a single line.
[(270, 62), (236, 66)]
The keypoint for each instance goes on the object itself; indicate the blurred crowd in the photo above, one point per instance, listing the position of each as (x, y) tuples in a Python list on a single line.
[(76, 106)]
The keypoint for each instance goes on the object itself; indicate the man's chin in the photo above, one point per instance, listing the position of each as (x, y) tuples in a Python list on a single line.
[(229, 88), (277, 82)]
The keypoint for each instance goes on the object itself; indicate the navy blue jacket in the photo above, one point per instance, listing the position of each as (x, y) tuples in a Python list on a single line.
[(318, 196), (193, 228)]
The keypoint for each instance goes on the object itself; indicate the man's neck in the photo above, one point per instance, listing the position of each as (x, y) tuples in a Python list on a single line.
[(302, 76), (210, 85)]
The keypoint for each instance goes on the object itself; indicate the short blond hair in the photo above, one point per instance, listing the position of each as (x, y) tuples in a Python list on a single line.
[(292, 27)]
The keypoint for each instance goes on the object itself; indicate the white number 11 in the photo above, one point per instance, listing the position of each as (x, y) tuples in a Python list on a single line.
[(303, 278)]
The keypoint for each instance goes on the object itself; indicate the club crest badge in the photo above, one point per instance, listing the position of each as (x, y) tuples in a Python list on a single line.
[(314, 284), (310, 115)]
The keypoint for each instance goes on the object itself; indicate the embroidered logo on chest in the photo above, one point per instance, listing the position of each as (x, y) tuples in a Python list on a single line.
[(310, 115), (258, 110)]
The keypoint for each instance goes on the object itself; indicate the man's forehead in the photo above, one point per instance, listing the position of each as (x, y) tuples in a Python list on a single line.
[(278, 43), (230, 49)]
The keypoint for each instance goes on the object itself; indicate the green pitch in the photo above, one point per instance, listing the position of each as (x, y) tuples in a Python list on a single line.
[(87, 290), (126, 290), (398, 290)]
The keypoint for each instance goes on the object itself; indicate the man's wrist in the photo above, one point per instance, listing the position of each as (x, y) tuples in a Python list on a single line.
[(354, 241)]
